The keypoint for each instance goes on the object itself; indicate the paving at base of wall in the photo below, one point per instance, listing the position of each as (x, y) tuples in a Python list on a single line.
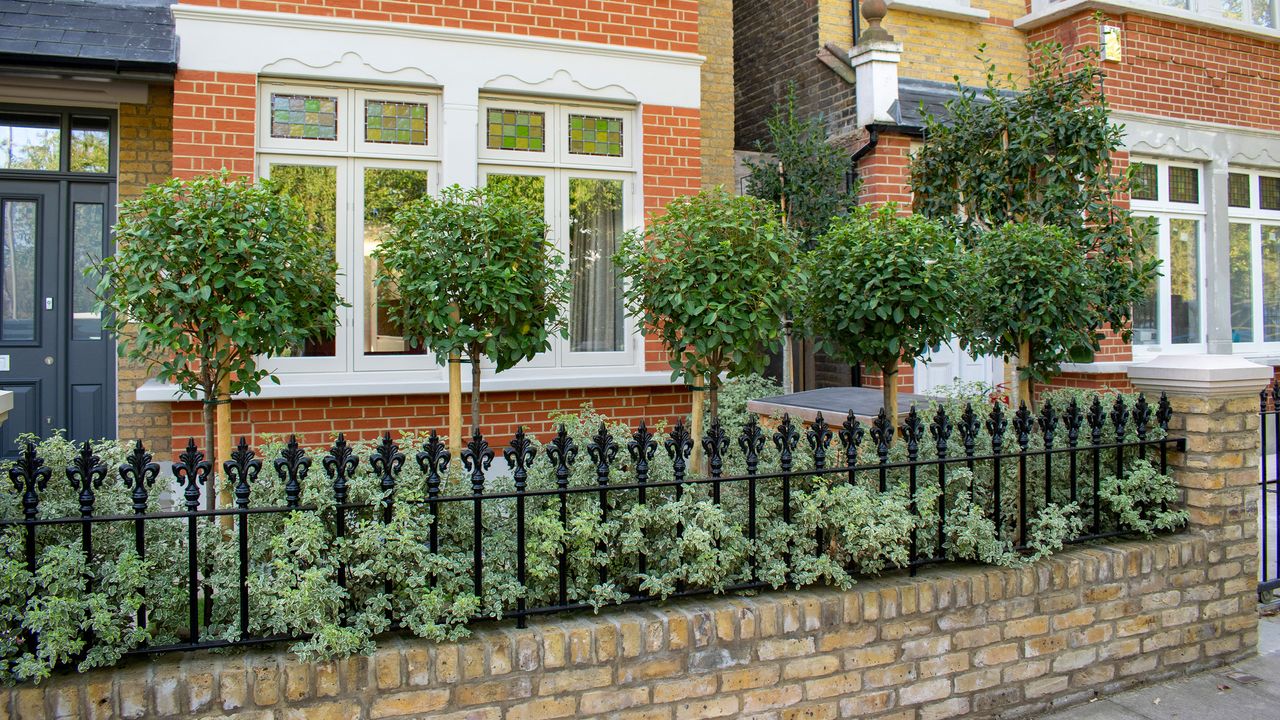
[(955, 641), (1246, 690)]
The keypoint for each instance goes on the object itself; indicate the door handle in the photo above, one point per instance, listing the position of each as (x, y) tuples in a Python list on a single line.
[(48, 303)]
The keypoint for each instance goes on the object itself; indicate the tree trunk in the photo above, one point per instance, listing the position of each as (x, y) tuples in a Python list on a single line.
[(1024, 383), (474, 355), (455, 404), (890, 377), (210, 442), (713, 392), (788, 359), (695, 429), (223, 421)]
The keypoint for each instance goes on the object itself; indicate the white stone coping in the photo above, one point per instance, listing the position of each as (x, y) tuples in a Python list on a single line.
[(300, 385), (6, 404), (1043, 13), (1201, 375), (941, 8)]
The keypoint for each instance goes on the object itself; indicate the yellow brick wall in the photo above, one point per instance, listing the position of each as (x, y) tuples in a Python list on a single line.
[(146, 157), (715, 41), (936, 48)]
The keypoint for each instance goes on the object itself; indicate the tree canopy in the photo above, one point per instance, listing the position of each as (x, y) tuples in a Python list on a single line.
[(710, 278)]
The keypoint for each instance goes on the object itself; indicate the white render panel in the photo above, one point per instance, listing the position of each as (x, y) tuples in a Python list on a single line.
[(462, 61)]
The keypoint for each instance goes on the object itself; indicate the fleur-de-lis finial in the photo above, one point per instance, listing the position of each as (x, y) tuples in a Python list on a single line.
[(433, 460), (191, 470), (851, 434), (679, 445), (969, 427), (819, 437), (602, 450), (86, 473), (912, 431), (1119, 417), (996, 426), (1141, 416), (242, 469), (1048, 423), (751, 442), (941, 428), (786, 439), (340, 464), (139, 473), (562, 451), (1096, 418), (1022, 425), (716, 444), (882, 435), (1164, 412), (519, 455), (477, 456), (1074, 419), (642, 447), (386, 461), (292, 467)]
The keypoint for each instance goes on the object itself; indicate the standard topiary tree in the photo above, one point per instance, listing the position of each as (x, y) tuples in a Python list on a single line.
[(711, 278), (1044, 156), (209, 275), (881, 289), (473, 274), (1030, 293)]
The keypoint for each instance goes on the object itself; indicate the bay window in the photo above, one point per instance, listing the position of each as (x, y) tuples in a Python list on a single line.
[(352, 156)]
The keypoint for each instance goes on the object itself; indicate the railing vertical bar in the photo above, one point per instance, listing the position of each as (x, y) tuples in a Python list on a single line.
[(519, 455), (996, 425), (562, 451), (912, 430), (1095, 436), (1022, 427), (477, 457), (602, 449)]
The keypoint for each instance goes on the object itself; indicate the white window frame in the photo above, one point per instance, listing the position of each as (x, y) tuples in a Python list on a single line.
[(1255, 217), (350, 155), (557, 166), (1164, 210)]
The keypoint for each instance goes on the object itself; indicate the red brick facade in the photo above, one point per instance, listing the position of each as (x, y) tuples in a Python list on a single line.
[(317, 420), (1184, 72), (213, 122), (652, 24)]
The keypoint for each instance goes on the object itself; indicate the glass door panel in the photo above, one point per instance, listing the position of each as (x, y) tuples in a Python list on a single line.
[(315, 188), (18, 287), (385, 190)]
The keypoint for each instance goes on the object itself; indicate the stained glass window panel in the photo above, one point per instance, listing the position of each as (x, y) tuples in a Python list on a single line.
[(595, 135), (1269, 193), (1184, 185), (1238, 190), (521, 130), (400, 123), (304, 117), (1145, 179)]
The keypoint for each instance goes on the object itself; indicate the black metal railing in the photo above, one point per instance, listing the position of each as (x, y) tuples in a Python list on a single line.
[(1269, 485), (1010, 464)]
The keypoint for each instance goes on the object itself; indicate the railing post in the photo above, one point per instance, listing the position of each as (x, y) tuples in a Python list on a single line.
[(1214, 399)]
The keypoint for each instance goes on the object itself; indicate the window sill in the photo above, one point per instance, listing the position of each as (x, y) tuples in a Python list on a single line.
[(1045, 13), (940, 8), (312, 385)]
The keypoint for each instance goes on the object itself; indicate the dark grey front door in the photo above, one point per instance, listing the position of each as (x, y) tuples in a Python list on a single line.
[(54, 356)]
